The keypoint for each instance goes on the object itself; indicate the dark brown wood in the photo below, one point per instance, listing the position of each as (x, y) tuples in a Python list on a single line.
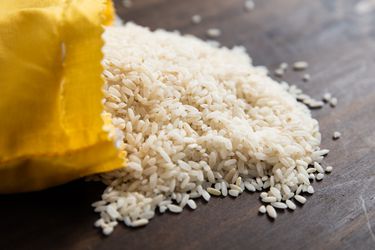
[(339, 44)]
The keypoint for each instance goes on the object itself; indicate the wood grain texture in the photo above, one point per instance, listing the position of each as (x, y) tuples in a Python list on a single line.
[(339, 44)]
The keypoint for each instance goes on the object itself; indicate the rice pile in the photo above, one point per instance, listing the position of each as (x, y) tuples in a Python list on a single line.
[(199, 121)]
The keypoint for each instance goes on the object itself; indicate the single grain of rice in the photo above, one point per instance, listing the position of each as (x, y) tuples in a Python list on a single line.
[(300, 65), (249, 5), (306, 77), (300, 199), (213, 32), (196, 19), (329, 169), (271, 212), (336, 135), (262, 209)]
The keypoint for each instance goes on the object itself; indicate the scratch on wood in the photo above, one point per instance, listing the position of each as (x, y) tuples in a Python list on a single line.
[(367, 218), (346, 183)]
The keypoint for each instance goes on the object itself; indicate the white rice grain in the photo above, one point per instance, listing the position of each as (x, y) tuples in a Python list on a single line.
[(249, 5), (291, 204), (329, 169), (269, 199), (306, 77), (276, 193), (300, 199), (192, 204), (107, 230), (262, 209), (213, 32), (174, 208), (206, 195), (318, 167), (327, 97), (213, 191), (333, 102), (127, 3), (196, 19), (319, 176), (233, 192), (271, 212), (300, 65), (280, 205), (310, 189), (140, 222), (336, 135), (249, 186)]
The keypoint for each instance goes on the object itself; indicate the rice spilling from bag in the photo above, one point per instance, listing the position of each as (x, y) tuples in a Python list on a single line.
[(198, 121)]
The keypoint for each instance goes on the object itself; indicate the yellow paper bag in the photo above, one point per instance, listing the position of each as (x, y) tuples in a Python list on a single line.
[(50, 93)]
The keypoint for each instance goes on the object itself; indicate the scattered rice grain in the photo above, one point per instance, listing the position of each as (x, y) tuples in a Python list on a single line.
[(329, 169), (262, 209), (336, 135), (306, 77), (279, 72), (271, 212), (213, 32), (333, 102), (196, 19), (300, 65), (249, 5)]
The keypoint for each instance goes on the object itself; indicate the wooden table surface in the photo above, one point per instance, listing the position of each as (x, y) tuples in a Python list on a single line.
[(339, 44)]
